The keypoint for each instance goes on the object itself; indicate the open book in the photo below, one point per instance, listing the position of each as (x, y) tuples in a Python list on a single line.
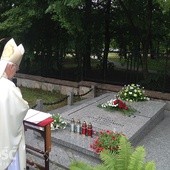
[(36, 116)]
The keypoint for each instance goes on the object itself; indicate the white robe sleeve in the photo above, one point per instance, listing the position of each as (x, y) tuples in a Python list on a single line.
[(13, 109)]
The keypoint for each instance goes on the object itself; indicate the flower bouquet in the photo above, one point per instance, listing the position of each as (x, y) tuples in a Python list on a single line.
[(58, 122), (132, 92), (117, 105), (108, 140)]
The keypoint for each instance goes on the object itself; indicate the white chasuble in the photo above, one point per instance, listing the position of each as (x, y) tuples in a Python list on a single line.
[(13, 109), (15, 163)]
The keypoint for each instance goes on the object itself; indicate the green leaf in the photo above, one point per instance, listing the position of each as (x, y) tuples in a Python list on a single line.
[(100, 167), (150, 166), (125, 151), (80, 166), (137, 159), (108, 159)]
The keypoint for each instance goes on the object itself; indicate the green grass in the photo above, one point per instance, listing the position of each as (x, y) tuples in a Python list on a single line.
[(153, 64), (156, 64), (32, 95)]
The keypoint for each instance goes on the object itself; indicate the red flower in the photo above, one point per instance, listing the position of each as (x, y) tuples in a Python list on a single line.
[(121, 104), (113, 137), (116, 101), (106, 140), (108, 131), (126, 108), (101, 132), (100, 149)]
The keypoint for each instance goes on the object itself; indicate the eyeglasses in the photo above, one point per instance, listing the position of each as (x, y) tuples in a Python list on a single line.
[(16, 66)]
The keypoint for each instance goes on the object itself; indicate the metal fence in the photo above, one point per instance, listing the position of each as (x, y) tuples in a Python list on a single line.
[(70, 99)]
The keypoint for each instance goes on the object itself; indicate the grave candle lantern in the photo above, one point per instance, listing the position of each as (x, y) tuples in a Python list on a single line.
[(72, 125), (78, 127), (84, 128), (89, 130)]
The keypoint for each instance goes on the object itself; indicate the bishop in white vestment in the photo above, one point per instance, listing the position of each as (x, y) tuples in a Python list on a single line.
[(13, 109)]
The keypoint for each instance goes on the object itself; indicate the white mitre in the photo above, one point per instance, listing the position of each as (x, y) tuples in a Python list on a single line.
[(11, 54)]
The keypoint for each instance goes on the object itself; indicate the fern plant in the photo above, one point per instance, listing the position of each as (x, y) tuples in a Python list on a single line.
[(128, 158)]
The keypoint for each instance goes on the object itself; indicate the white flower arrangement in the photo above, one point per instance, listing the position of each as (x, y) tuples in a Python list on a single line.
[(117, 105), (58, 122), (133, 92), (111, 103)]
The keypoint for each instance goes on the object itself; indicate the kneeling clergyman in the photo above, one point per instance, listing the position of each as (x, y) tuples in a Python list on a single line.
[(13, 109)]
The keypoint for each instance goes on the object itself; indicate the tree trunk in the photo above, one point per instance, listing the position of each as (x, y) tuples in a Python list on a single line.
[(147, 40), (107, 38), (145, 60), (86, 52)]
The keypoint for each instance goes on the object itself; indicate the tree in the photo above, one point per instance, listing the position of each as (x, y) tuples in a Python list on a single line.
[(51, 29), (28, 22), (106, 36)]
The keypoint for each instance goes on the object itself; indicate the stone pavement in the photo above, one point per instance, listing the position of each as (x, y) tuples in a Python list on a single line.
[(157, 144)]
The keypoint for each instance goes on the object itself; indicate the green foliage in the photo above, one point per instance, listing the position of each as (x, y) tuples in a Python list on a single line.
[(155, 81), (66, 14), (150, 165), (128, 158), (52, 28), (108, 140), (125, 151), (165, 4), (58, 122), (18, 18), (108, 161), (158, 64), (137, 159), (80, 166), (73, 3)]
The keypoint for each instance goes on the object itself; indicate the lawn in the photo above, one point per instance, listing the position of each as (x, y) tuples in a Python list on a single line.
[(158, 64), (32, 95)]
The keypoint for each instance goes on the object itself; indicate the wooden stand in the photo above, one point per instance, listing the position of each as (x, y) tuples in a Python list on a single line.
[(44, 128)]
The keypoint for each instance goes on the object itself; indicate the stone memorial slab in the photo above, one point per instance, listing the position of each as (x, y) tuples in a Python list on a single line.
[(68, 146), (146, 112)]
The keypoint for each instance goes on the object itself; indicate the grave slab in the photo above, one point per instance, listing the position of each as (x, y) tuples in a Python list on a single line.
[(68, 146), (147, 115)]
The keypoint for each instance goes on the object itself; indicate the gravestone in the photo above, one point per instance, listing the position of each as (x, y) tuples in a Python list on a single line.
[(147, 115), (68, 146)]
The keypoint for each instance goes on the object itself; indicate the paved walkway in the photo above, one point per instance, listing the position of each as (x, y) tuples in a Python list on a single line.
[(157, 144)]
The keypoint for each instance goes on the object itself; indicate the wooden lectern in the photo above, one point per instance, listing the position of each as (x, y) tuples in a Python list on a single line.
[(44, 128)]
